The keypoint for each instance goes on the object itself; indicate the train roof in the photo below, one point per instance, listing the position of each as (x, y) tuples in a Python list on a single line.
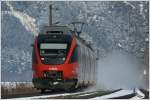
[(54, 29)]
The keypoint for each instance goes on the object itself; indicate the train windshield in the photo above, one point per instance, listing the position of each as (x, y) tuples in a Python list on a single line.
[(54, 50), (53, 46)]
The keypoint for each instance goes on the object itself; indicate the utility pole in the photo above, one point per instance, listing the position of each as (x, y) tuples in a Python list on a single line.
[(50, 15)]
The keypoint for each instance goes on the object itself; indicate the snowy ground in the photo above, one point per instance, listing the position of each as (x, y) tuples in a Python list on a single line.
[(26, 87), (137, 95)]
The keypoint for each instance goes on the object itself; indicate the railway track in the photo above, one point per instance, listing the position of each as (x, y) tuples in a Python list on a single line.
[(34, 93), (82, 94)]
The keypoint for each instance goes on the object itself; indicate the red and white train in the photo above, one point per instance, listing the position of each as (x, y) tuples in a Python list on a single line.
[(62, 60)]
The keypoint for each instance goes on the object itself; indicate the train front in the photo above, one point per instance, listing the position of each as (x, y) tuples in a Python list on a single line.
[(54, 62)]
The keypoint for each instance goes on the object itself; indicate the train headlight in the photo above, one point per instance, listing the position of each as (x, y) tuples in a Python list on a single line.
[(63, 58), (73, 72), (44, 74), (144, 72), (42, 58), (33, 71)]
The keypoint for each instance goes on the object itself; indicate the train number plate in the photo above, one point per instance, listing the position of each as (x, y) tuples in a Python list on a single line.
[(53, 68)]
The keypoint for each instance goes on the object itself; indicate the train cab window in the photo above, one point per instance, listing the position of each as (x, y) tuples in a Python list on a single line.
[(54, 32), (53, 53), (53, 48), (34, 59), (74, 56)]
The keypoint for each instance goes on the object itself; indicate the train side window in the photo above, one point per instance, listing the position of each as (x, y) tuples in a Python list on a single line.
[(34, 59), (74, 56)]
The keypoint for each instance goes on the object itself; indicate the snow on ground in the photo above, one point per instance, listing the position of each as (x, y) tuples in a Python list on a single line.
[(139, 94), (54, 95), (116, 94), (135, 98), (87, 94), (38, 97), (46, 96)]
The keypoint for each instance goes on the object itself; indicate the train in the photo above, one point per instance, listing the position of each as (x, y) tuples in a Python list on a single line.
[(62, 60)]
